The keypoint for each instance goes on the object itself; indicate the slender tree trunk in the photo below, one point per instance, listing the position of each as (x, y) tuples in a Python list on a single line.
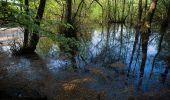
[(145, 33), (138, 26), (108, 16), (35, 36), (69, 32), (140, 11), (68, 11), (123, 11), (146, 5), (115, 10), (79, 9), (26, 31)]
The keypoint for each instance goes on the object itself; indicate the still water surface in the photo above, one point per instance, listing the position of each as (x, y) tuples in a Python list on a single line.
[(103, 62)]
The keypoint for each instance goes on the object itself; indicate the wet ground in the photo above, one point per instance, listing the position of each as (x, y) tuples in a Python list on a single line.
[(46, 75)]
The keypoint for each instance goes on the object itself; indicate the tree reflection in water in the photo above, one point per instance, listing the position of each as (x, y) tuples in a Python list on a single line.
[(106, 61)]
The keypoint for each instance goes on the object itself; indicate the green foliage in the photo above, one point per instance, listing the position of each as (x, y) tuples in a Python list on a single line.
[(44, 45), (67, 43), (7, 11), (96, 13)]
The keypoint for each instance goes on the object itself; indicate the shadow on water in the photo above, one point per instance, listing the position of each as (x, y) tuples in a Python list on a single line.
[(103, 61)]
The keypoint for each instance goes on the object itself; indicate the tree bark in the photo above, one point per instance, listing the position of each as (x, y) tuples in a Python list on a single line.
[(123, 10), (69, 32), (138, 26), (68, 11), (26, 31), (146, 5), (145, 33), (115, 10), (35, 37), (140, 11)]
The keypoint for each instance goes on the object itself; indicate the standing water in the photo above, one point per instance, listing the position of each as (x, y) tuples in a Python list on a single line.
[(103, 62)]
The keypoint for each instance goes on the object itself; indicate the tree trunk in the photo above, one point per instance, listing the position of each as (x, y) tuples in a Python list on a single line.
[(68, 11), (26, 31), (115, 10), (138, 26), (123, 11), (108, 15), (69, 32), (35, 36), (146, 5), (140, 11), (145, 33)]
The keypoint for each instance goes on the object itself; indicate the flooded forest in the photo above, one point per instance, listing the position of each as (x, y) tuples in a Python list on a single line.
[(84, 49)]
